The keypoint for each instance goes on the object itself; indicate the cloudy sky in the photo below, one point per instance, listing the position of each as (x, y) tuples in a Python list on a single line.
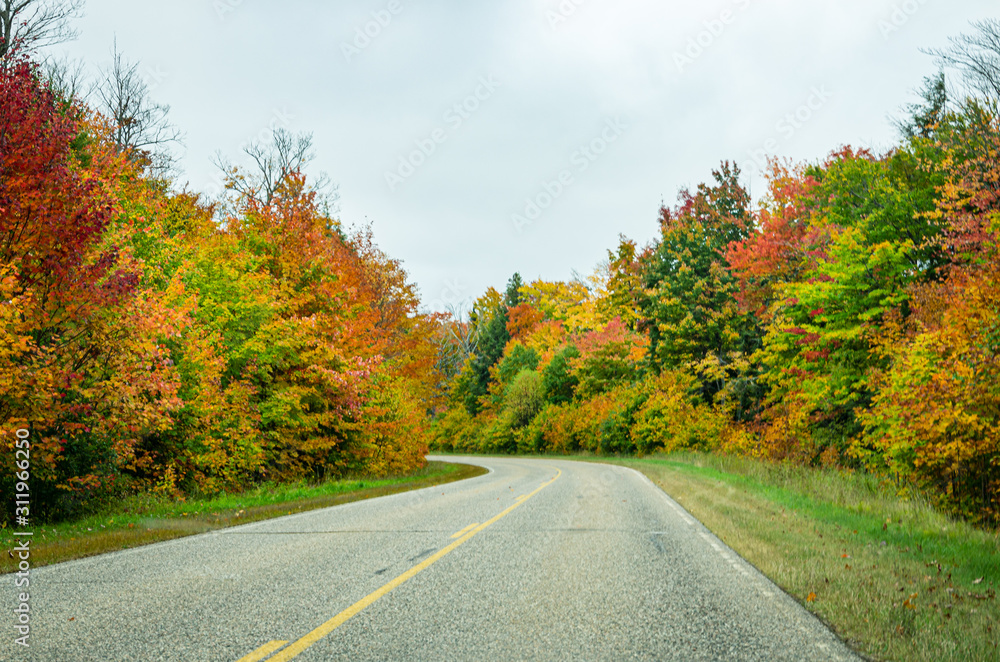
[(483, 138)]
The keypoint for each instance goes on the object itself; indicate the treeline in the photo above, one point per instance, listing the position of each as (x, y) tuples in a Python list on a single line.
[(153, 340), (850, 319)]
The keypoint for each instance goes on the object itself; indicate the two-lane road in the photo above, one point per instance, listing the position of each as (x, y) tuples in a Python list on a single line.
[(539, 559)]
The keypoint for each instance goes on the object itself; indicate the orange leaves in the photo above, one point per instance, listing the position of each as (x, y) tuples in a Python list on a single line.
[(522, 320), (935, 417), (141, 341), (811, 597)]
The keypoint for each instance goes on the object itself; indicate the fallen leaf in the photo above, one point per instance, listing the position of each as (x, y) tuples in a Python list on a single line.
[(811, 597), (978, 581)]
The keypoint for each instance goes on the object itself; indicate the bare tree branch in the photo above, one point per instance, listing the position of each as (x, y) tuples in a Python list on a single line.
[(977, 56), (67, 79), (27, 25), (141, 128), (273, 163)]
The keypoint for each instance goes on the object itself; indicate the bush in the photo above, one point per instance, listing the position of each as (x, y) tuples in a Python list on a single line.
[(672, 419)]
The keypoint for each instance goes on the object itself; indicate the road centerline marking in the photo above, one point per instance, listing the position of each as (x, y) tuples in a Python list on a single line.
[(326, 628), (262, 652), (465, 530)]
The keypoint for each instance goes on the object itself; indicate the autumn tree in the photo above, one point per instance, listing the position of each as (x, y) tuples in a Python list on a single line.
[(273, 162), (623, 298), (934, 420), (690, 309), (923, 118)]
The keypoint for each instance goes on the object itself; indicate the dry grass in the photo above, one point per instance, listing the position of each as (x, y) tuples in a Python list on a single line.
[(894, 578)]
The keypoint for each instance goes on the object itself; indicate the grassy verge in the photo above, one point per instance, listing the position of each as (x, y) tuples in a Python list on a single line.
[(147, 519), (894, 578)]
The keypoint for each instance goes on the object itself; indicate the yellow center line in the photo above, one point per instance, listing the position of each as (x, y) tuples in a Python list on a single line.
[(465, 530), (326, 628), (262, 652)]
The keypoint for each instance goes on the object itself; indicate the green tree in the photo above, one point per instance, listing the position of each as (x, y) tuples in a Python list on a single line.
[(689, 308), (923, 118), (558, 381), (491, 322), (869, 241)]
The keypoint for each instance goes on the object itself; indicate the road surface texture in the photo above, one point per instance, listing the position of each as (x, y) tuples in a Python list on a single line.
[(537, 560)]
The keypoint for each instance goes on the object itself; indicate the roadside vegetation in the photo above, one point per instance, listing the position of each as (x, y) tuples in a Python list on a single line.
[(160, 341), (893, 577), (149, 518), (849, 319)]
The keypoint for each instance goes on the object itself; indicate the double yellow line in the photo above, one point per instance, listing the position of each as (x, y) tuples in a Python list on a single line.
[(311, 638)]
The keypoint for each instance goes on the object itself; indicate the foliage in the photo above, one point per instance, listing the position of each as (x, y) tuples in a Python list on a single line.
[(147, 347), (849, 320), (523, 399)]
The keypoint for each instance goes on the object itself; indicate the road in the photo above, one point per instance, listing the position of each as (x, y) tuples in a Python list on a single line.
[(539, 559)]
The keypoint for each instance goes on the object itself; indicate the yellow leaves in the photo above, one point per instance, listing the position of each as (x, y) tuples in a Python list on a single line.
[(568, 302), (669, 420)]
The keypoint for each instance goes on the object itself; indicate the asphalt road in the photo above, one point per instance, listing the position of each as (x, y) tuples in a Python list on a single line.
[(539, 559)]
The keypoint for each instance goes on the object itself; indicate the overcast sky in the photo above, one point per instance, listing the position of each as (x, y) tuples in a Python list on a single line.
[(441, 119)]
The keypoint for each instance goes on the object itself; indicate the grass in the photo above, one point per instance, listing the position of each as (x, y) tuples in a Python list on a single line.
[(894, 578), (147, 519)]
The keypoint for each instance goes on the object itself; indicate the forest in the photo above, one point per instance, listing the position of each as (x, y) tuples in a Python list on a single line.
[(848, 319), (155, 340)]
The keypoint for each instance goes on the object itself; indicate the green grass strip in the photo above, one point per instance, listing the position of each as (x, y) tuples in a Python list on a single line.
[(894, 578), (146, 519)]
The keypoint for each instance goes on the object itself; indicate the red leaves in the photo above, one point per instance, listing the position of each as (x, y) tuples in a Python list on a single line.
[(52, 212), (774, 253)]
